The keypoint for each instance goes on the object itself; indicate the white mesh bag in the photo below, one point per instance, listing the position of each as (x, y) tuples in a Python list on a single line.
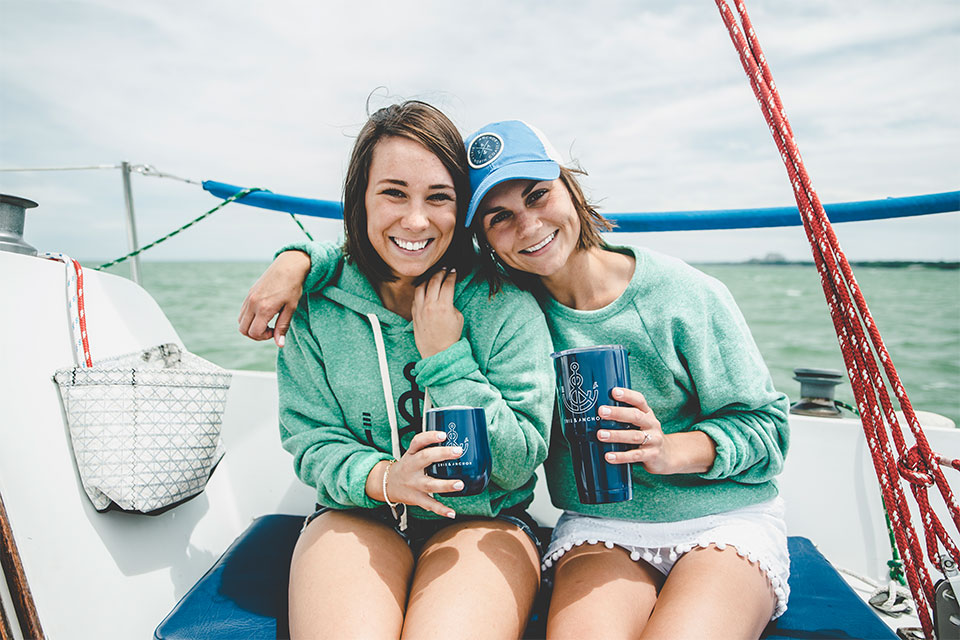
[(144, 426)]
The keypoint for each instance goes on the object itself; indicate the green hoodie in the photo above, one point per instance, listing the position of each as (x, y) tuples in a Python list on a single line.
[(692, 356), (333, 418)]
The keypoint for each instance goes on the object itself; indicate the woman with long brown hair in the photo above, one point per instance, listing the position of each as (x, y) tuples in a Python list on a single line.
[(403, 316)]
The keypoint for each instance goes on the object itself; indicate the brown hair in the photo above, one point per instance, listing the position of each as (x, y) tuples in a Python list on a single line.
[(427, 125), (592, 224)]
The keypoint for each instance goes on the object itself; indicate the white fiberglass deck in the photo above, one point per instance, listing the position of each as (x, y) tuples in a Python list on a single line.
[(116, 575)]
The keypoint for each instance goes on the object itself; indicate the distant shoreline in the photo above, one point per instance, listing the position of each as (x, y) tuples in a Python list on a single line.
[(881, 264), (762, 262)]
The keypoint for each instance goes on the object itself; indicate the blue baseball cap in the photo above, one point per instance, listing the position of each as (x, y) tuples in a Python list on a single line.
[(508, 150)]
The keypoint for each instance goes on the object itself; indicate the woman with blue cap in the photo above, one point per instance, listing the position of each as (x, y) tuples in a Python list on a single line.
[(700, 549)]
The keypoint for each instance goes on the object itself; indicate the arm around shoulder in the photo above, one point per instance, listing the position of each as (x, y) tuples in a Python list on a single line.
[(324, 261), (296, 268)]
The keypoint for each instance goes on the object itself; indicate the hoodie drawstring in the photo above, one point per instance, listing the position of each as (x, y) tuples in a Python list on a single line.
[(388, 398), (391, 413)]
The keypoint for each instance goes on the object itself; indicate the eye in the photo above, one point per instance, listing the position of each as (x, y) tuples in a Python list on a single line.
[(497, 217), (393, 193), (440, 197), (536, 195)]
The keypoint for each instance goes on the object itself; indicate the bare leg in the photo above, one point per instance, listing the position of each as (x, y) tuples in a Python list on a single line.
[(601, 593), (712, 594), (348, 579), (476, 579)]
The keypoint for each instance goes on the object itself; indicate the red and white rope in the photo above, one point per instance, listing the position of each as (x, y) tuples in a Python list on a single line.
[(918, 464), (75, 302)]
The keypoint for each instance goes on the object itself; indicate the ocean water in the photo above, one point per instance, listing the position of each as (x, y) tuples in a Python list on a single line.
[(917, 310)]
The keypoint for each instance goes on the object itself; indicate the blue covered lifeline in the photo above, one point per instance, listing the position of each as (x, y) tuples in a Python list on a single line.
[(244, 595), (647, 221)]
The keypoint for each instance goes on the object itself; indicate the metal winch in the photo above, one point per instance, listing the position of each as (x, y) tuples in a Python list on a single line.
[(816, 392), (13, 210)]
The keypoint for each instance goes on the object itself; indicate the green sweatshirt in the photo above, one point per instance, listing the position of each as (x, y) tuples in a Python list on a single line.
[(692, 357), (333, 417)]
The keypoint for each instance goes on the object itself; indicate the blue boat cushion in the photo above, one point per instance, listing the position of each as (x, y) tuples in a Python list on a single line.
[(822, 604), (244, 595)]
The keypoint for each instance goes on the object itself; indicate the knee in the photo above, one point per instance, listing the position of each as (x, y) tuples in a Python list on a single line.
[(495, 539), (501, 547)]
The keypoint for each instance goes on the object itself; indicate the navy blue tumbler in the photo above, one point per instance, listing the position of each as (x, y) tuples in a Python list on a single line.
[(465, 427), (585, 377)]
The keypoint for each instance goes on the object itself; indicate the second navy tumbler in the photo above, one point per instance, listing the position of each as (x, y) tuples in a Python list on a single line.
[(585, 377)]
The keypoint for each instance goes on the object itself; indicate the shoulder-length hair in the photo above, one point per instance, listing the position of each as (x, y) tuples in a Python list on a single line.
[(428, 126)]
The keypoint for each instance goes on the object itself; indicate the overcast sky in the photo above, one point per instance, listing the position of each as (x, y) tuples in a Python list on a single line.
[(649, 97)]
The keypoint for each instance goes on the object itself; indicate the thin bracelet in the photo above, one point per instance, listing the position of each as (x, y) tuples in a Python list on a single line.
[(393, 505)]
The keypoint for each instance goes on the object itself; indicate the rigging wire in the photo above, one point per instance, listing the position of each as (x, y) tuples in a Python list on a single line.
[(150, 170), (142, 169), (85, 168), (153, 172)]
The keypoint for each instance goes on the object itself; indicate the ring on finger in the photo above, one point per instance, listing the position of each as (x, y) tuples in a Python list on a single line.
[(646, 437)]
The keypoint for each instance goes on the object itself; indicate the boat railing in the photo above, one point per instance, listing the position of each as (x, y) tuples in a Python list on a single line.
[(632, 222)]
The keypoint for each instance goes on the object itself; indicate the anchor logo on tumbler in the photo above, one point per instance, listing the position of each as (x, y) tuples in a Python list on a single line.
[(452, 436), (578, 400), (466, 427)]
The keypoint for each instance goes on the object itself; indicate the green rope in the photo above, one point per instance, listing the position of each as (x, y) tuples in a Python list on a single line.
[(302, 228), (239, 194), (844, 405), (895, 564)]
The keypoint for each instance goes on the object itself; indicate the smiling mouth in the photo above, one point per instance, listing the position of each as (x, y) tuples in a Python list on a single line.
[(411, 246), (540, 245)]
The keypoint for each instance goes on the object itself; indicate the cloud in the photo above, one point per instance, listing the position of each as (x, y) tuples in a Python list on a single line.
[(651, 101)]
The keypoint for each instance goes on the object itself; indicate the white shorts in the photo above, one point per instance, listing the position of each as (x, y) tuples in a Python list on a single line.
[(757, 532)]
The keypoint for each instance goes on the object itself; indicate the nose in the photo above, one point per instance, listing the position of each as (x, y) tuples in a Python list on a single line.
[(528, 223), (415, 218)]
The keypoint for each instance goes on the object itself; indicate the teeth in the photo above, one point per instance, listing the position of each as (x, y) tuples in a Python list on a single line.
[(411, 246), (541, 244)]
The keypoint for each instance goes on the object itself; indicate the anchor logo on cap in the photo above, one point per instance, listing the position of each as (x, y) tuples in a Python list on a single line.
[(577, 400)]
